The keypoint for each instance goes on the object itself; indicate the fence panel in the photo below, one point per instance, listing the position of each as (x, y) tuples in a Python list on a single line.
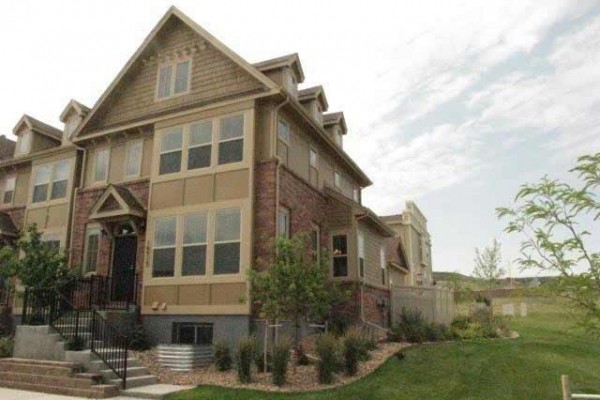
[(436, 304)]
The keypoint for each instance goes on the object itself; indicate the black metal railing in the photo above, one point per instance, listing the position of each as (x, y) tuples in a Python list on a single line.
[(85, 328), (103, 292), (6, 292)]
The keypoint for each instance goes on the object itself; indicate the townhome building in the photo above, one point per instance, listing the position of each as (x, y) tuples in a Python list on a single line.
[(177, 181)]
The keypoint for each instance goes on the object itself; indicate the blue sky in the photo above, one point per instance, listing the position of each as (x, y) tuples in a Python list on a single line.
[(451, 104)]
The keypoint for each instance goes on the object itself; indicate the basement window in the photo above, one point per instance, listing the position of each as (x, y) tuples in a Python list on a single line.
[(195, 333)]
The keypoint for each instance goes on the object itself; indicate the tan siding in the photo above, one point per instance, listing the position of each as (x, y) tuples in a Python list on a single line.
[(117, 163), (232, 185), (373, 242), (213, 76), (194, 294), (37, 216), (22, 186), (147, 157), (161, 294), (40, 142), (198, 189), (227, 293), (58, 216), (167, 194)]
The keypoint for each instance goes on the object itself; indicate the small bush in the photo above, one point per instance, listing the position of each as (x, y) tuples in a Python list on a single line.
[(460, 322), (6, 347), (245, 357), (412, 328), (352, 345), (222, 355), (76, 343), (281, 357), (301, 357), (328, 360), (260, 361), (138, 338), (482, 299)]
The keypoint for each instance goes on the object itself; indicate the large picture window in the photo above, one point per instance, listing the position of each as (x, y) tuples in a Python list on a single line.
[(173, 79), (227, 241), (163, 259), (194, 244), (231, 140), (340, 255)]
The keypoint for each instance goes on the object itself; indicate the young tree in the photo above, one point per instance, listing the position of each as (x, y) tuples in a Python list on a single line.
[(487, 263), (34, 263), (550, 215), (296, 286)]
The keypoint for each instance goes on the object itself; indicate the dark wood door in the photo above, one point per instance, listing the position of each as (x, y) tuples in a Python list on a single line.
[(123, 268)]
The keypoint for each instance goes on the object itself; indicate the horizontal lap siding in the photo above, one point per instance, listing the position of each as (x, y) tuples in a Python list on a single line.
[(213, 76), (373, 242)]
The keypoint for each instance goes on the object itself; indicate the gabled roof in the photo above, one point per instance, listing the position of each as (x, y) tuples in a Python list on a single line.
[(125, 204), (335, 118), (7, 147), (173, 12), (7, 227), (76, 107), (316, 93), (39, 127), (290, 60)]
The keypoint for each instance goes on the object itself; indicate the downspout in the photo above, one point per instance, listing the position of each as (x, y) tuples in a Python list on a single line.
[(75, 191), (362, 283)]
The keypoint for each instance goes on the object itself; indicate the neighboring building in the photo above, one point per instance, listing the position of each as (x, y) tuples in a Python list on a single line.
[(179, 178), (415, 244)]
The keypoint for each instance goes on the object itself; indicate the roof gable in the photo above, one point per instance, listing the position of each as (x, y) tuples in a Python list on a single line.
[(37, 126), (116, 201), (74, 107), (140, 72), (291, 61), (314, 93)]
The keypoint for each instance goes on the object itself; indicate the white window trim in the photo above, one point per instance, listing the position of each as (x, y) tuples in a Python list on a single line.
[(360, 246), (347, 254), (50, 182), (316, 228), (205, 243), (285, 212), (242, 138), (130, 144), (289, 131), (215, 241), (8, 178), (173, 65), (356, 195), (187, 140), (91, 230), (107, 169)]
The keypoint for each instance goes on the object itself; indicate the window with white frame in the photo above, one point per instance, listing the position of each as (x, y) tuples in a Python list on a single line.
[(41, 181), (339, 255), (101, 160), (9, 189), (337, 179), (163, 256), (314, 167), (194, 244), (60, 179), (171, 146), (173, 79), (133, 160), (92, 247), (23, 143), (356, 195), (200, 145), (231, 140), (382, 263), (283, 223), (227, 241), (361, 254)]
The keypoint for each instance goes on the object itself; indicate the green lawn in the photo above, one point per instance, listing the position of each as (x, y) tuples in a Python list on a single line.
[(528, 368)]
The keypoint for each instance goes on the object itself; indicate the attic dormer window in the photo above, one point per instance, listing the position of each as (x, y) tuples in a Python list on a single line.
[(173, 79), (23, 143)]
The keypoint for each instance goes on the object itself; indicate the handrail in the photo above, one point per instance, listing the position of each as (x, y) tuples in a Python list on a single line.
[(49, 306)]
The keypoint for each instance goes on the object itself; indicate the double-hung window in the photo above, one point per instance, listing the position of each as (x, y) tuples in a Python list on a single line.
[(227, 241), (163, 258), (101, 160), (314, 167), (283, 133), (9, 189), (194, 244), (361, 254), (92, 246), (382, 263), (173, 79), (60, 180), (41, 182), (200, 147), (133, 163), (356, 195), (340, 255), (283, 223), (337, 179), (170, 151), (231, 140)]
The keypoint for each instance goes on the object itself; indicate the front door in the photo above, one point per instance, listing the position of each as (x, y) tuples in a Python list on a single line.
[(123, 268)]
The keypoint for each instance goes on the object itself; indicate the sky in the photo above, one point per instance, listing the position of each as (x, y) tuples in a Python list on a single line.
[(451, 104)]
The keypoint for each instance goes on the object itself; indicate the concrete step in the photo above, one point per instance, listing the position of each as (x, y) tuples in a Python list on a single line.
[(97, 364), (75, 381), (156, 391), (48, 370), (136, 381), (94, 392), (108, 373)]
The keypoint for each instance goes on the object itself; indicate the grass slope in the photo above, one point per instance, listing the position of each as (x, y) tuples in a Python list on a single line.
[(526, 368)]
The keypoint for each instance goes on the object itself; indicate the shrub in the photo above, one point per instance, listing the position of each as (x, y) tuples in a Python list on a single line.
[(435, 332), (259, 360), (352, 345), (281, 357), (6, 347), (326, 350), (412, 328), (460, 322), (301, 357), (245, 357), (6, 322), (482, 299), (76, 343), (222, 355), (138, 338)]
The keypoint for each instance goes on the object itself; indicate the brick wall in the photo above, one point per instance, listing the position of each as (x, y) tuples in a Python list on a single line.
[(373, 312), (85, 200)]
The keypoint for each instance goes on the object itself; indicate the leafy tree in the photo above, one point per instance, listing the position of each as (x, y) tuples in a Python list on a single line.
[(549, 215), (487, 263), (34, 263), (296, 286)]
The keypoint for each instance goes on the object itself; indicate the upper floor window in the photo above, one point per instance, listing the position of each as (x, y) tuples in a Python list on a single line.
[(319, 116), (356, 195), (51, 181), (52, 242), (361, 254), (200, 148), (314, 167), (340, 255), (23, 143), (283, 223), (337, 179), (173, 79), (133, 161), (171, 147), (227, 241), (101, 160), (382, 263), (283, 131), (231, 140), (9, 189)]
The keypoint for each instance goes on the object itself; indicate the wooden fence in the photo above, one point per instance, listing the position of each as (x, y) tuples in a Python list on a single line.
[(436, 304)]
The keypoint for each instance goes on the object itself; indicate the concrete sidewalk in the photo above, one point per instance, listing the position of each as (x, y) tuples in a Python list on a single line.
[(149, 392)]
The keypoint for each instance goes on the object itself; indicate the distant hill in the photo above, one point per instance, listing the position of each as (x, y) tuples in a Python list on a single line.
[(456, 279)]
